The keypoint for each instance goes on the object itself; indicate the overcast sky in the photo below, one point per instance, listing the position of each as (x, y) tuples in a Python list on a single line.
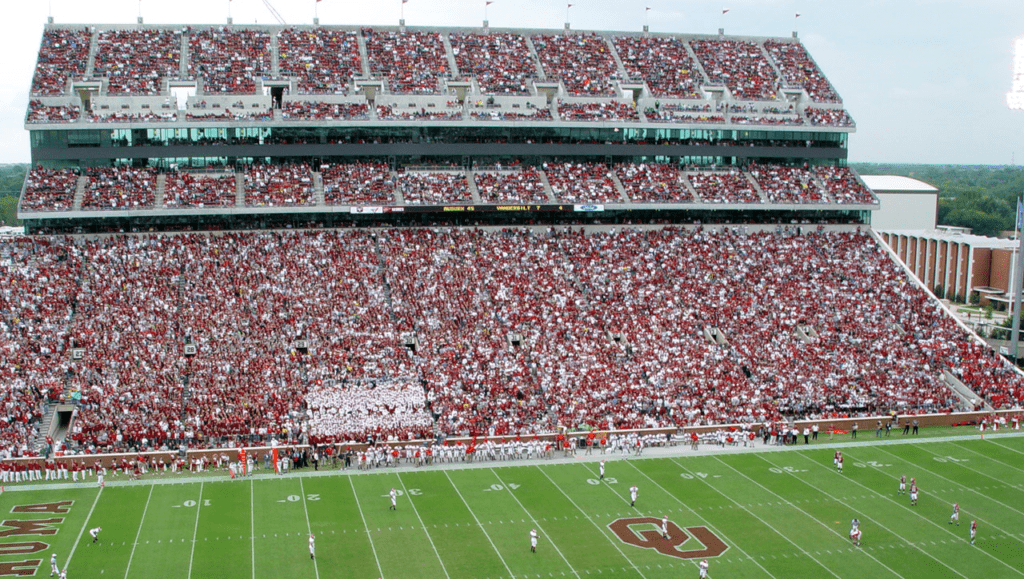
[(926, 80)]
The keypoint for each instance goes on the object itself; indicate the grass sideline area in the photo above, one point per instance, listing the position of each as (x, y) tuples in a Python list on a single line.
[(777, 511)]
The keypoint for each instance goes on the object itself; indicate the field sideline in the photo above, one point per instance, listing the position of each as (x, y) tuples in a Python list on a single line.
[(771, 514)]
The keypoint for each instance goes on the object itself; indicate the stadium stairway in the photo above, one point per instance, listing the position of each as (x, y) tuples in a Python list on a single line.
[(318, 186), (79, 194), (399, 198), (38, 442), (536, 62), (450, 54), (183, 66), (689, 187), (967, 396), (696, 62), (364, 58), (275, 59), (618, 61), (91, 63), (240, 190), (471, 182), (618, 186), (547, 187), (760, 192), (161, 182), (817, 181), (778, 73)]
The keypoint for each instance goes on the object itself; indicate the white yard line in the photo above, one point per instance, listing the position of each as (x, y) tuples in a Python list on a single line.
[(1006, 464), (309, 528), (901, 505), (706, 522), (252, 525), (195, 531), (84, 525), (424, 527), (365, 526), (965, 487), (139, 532), (550, 538), (603, 531), (493, 546), (783, 535), (990, 441)]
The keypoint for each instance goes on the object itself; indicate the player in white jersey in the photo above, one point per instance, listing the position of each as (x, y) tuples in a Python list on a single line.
[(54, 570), (855, 523), (394, 500), (64, 574), (955, 517), (632, 495), (664, 526), (533, 540), (602, 470), (312, 546), (703, 569), (95, 533), (855, 536)]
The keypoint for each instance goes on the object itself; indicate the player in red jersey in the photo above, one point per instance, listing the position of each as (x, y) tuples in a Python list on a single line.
[(838, 459), (955, 517), (903, 484), (974, 530), (913, 493), (855, 536)]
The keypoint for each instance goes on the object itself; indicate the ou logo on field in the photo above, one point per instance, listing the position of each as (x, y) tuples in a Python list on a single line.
[(709, 543)]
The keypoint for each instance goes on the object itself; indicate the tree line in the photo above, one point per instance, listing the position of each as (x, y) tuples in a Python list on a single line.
[(982, 197)]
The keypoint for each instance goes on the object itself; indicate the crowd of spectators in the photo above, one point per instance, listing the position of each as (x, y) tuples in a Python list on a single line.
[(829, 117), (109, 116), (582, 182), (739, 65), (500, 62), (63, 54), (323, 60), (136, 60), (119, 188), (662, 63), (652, 182), (844, 185), (788, 184), (411, 113), (723, 186), (412, 62), (599, 111), (766, 120), (521, 185), (40, 113), (317, 111), (49, 189), (358, 184), (584, 63), (665, 115), (494, 114), (433, 187), (183, 189), (798, 69), (410, 329), (229, 60), (279, 185)]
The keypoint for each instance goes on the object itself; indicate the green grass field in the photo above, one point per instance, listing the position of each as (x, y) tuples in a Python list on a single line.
[(780, 514)]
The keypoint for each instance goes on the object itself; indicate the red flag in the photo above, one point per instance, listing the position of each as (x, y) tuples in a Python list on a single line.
[(648, 9), (798, 15), (489, 3), (724, 10), (570, 6)]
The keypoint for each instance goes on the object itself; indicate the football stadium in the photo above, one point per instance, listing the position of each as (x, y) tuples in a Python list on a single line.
[(482, 303)]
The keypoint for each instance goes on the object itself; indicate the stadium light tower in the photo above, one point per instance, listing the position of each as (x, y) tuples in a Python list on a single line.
[(1015, 100)]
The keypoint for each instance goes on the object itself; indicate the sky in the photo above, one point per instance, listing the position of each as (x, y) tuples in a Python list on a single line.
[(925, 80)]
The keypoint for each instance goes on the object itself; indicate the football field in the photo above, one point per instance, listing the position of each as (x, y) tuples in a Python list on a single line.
[(781, 514)]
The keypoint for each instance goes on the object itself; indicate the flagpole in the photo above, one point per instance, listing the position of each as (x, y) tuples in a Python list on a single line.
[(567, 14), (1017, 285)]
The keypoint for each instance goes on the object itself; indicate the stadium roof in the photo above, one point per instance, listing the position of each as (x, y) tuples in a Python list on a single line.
[(896, 183)]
